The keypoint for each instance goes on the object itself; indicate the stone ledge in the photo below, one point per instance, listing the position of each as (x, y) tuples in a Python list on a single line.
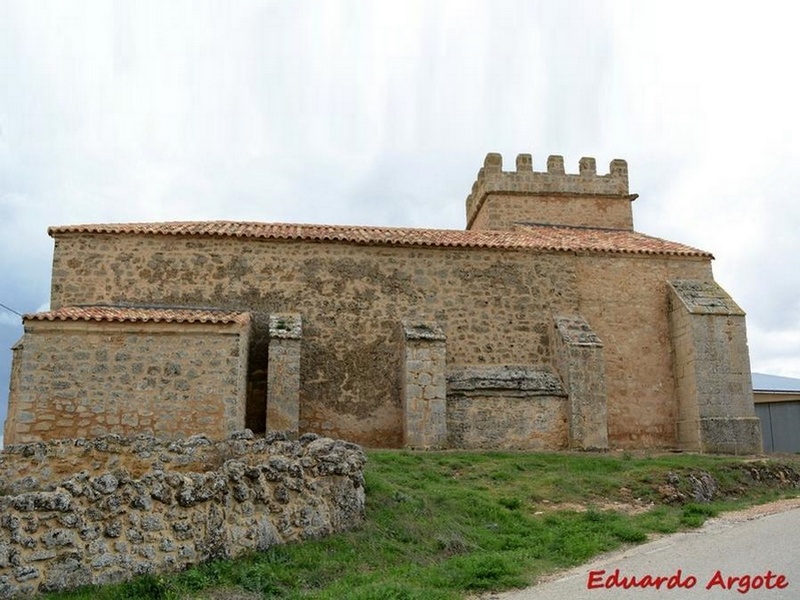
[(704, 297), (504, 378), (423, 331)]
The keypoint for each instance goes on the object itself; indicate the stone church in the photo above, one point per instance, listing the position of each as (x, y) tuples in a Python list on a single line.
[(548, 323)]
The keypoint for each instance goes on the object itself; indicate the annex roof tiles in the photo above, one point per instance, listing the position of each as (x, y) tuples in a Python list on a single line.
[(526, 236), (124, 314)]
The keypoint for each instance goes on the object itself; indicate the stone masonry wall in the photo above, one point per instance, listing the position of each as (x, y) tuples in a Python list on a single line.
[(504, 211), (81, 512), (82, 379), (686, 384), (626, 302), (494, 307)]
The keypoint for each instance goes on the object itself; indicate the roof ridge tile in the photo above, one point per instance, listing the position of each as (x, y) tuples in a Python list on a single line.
[(558, 238)]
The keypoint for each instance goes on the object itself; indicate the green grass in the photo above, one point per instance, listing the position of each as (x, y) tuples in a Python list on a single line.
[(442, 525)]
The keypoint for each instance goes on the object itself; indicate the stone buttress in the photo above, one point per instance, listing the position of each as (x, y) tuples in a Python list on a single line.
[(283, 373), (712, 370)]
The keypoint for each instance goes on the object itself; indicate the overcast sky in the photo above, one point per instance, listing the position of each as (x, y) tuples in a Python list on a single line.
[(380, 113)]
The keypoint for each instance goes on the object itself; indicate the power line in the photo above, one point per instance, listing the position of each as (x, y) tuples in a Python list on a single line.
[(8, 308)]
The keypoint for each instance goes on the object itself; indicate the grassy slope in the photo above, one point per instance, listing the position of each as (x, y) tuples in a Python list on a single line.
[(441, 525)]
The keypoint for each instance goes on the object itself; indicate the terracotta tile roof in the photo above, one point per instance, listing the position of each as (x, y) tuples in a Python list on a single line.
[(533, 237), (139, 315), (610, 240)]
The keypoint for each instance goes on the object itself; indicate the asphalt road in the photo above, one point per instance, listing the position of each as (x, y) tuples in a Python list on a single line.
[(762, 553)]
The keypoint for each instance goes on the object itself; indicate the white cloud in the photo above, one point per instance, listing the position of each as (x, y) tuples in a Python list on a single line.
[(8, 319)]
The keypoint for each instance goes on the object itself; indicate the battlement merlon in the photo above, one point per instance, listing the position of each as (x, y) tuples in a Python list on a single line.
[(553, 183)]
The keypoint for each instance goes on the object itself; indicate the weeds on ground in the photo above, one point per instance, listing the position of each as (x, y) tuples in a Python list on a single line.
[(442, 525)]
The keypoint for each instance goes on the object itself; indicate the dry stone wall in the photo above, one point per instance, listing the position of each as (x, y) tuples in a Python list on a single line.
[(96, 511)]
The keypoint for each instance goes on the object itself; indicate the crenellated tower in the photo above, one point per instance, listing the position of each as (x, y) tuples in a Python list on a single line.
[(501, 200)]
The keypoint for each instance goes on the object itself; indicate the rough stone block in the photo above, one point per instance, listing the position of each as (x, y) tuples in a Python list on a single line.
[(734, 435)]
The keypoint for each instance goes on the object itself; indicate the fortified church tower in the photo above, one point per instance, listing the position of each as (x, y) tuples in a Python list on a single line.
[(549, 322)]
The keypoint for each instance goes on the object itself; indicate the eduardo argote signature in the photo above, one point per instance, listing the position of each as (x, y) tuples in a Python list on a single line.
[(602, 579)]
